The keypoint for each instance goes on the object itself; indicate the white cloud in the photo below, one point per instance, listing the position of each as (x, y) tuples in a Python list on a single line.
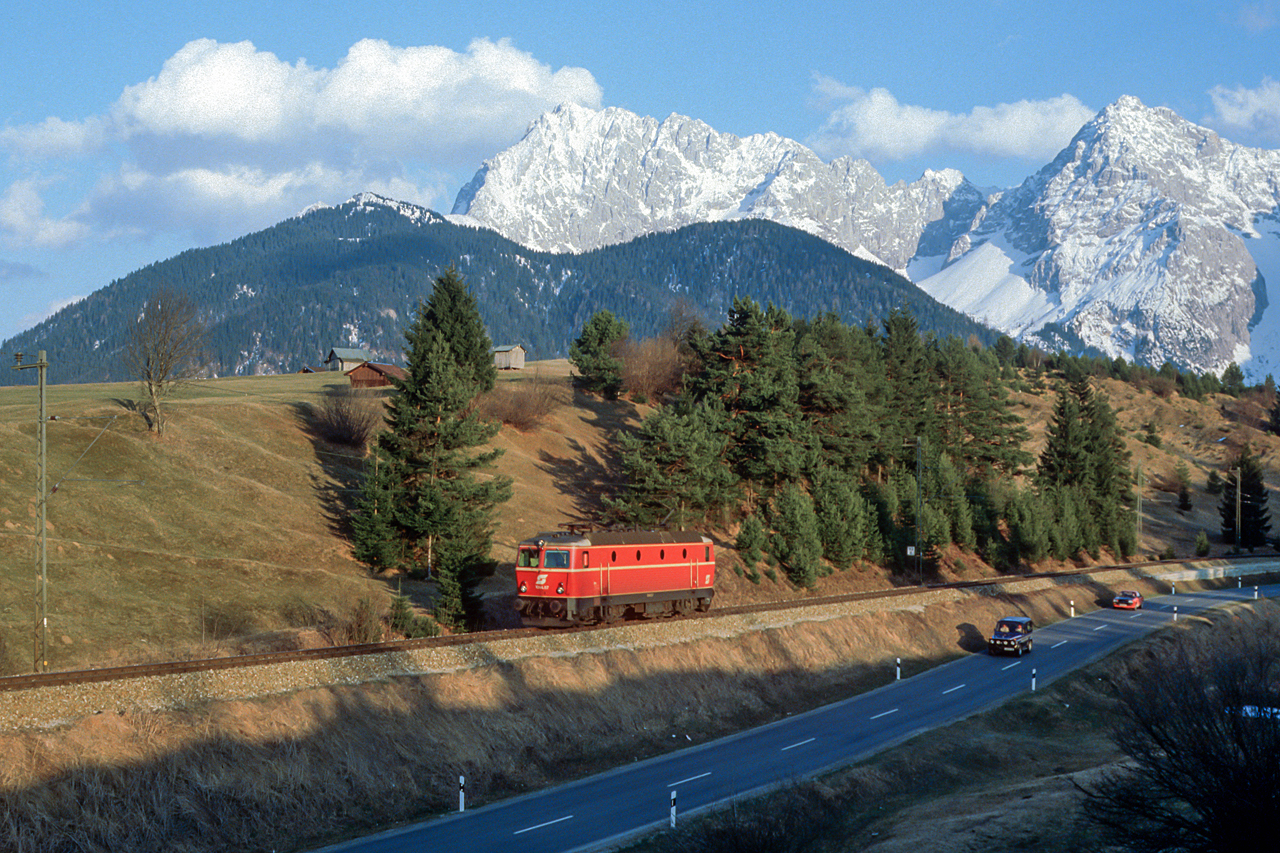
[(873, 124), (1252, 110), (23, 221), (226, 137), (54, 138)]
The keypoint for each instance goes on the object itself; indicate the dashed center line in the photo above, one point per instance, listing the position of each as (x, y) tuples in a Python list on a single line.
[(953, 689), (541, 825), (1061, 643), (884, 714), (801, 743), (690, 779), (1016, 663), (1100, 627)]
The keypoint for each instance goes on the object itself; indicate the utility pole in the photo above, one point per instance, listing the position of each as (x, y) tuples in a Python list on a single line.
[(40, 643), (1138, 543), (1239, 484)]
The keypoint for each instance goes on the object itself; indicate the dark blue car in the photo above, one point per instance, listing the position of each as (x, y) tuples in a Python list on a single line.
[(1012, 636)]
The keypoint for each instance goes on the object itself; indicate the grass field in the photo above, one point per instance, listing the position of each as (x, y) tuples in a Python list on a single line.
[(224, 527)]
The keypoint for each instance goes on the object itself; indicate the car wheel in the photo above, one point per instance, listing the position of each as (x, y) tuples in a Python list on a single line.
[(1019, 648), (1029, 642)]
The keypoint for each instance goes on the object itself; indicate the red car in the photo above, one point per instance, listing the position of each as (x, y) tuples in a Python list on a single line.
[(1127, 600)]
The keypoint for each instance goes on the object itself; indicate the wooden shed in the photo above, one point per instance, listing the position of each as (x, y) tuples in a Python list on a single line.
[(509, 357), (373, 375), (345, 358)]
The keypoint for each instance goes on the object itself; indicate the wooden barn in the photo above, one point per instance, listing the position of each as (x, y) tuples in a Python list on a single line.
[(509, 357), (373, 375), (345, 358)]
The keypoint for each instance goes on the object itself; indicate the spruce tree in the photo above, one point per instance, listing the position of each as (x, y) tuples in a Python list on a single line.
[(675, 467), (1255, 519), (423, 509), (749, 369), (594, 353)]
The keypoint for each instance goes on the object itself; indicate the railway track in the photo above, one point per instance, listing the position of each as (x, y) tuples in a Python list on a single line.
[(121, 673)]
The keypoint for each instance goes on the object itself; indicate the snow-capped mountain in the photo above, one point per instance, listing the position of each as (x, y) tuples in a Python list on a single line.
[(581, 179), (1147, 237)]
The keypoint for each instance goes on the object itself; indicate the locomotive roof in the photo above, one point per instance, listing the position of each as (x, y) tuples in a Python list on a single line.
[(618, 537)]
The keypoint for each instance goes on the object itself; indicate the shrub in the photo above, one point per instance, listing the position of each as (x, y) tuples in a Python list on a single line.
[(1202, 544), (751, 539), (402, 618), (523, 404), (365, 624), (651, 368), (348, 416)]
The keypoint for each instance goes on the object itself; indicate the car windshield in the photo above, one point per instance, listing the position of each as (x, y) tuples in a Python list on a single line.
[(1009, 628)]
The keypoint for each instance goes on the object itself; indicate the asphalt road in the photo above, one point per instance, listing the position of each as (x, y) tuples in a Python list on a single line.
[(631, 799)]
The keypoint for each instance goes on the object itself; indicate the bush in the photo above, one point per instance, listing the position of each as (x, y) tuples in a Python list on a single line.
[(402, 618), (750, 541), (348, 416), (365, 624), (1202, 544), (651, 368), (523, 404), (1203, 759)]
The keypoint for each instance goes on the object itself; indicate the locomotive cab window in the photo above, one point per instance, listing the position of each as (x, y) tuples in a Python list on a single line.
[(555, 560), (528, 559)]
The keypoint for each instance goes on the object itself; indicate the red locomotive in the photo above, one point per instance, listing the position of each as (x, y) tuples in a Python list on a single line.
[(598, 576)]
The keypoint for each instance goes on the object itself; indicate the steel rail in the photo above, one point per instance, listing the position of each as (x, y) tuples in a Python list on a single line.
[(179, 667)]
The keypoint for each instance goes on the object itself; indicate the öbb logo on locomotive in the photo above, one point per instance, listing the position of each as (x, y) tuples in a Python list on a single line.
[(588, 576)]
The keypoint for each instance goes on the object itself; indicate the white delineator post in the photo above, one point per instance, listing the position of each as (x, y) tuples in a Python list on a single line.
[(1073, 608), (462, 793), (1033, 679), (673, 809), (898, 671)]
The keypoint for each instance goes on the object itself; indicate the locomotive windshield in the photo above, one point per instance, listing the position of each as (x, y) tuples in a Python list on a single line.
[(555, 559), (528, 558)]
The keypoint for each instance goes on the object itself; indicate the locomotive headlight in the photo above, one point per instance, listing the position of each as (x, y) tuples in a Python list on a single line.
[(524, 587), (560, 589)]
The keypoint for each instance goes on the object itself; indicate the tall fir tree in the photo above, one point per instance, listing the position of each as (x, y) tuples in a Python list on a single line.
[(749, 370), (423, 509), (594, 353), (1246, 476)]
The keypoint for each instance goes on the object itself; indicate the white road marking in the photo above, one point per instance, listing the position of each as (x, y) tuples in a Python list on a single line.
[(1100, 627), (1012, 665), (1055, 645), (1135, 616), (953, 689), (801, 743), (690, 779), (541, 825), (884, 714)]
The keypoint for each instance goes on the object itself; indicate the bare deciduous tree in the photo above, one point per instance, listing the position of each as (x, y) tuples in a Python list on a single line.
[(1201, 730), (166, 349)]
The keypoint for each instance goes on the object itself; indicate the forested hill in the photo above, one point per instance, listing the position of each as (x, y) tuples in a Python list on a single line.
[(279, 299)]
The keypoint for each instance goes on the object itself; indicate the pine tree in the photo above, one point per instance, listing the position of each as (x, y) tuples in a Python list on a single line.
[(1255, 518), (422, 508), (675, 467), (594, 353), (795, 542), (749, 369)]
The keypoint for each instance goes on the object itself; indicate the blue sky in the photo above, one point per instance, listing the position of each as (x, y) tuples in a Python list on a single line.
[(132, 131)]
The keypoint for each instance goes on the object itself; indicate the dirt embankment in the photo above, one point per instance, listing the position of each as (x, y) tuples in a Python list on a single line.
[(185, 767)]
